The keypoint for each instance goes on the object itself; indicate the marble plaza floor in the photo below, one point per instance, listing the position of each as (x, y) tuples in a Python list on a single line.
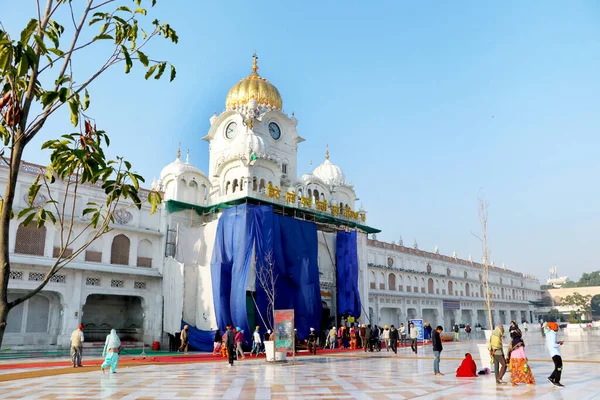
[(345, 375)]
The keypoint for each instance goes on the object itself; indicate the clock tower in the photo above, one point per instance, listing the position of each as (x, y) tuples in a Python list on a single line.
[(252, 143)]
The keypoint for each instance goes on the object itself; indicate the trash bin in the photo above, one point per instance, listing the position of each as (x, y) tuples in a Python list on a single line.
[(156, 346)]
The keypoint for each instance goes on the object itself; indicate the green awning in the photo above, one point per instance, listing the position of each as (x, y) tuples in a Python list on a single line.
[(301, 213)]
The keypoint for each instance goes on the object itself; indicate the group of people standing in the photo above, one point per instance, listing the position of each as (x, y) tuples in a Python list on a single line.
[(520, 371)]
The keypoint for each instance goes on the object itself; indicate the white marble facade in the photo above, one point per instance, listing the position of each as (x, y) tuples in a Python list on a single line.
[(253, 147)]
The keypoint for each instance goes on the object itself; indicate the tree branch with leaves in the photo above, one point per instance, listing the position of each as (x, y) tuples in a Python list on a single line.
[(39, 54), (266, 276)]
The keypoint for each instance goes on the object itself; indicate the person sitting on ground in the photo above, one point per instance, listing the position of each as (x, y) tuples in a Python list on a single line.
[(467, 368)]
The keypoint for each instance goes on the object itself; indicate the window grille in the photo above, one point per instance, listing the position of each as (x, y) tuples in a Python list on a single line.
[(59, 279), (18, 275), (171, 242), (36, 276), (119, 252), (30, 240), (93, 256), (37, 314), (117, 283), (66, 253), (139, 285), (92, 281)]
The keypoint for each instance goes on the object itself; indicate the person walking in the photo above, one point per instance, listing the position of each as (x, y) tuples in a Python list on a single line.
[(456, 332), (367, 338), (112, 347), (183, 337), (394, 337), (332, 334), (385, 337), (229, 344), (497, 353), (468, 331), (520, 372), (239, 340), (551, 328), (217, 342), (436, 341), (312, 342), (256, 342), (525, 327), (77, 346), (427, 332), (414, 335), (402, 330), (353, 335)]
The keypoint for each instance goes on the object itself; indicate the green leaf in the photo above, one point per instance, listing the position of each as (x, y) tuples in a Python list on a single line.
[(23, 67), (173, 73), (143, 58), (150, 71), (136, 184), (63, 93), (86, 100), (74, 106), (103, 36), (123, 8), (29, 218), (33, 191), (128, 62), (88, 211), (51, 216), (140, 11), (58, 52), (161, 70), (49, 98), (28, 31), (127, 164), (40, 44), (25, 211)]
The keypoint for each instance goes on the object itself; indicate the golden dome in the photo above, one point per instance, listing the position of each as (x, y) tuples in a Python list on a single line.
[(254, 87)]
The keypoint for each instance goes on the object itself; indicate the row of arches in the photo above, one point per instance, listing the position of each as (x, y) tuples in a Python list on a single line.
[(188, 192), (31, 240), (239, 185), (440, 287)]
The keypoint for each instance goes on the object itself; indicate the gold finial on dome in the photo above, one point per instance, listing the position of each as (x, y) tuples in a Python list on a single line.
[(179, 151), (255, 62), (327, 152)]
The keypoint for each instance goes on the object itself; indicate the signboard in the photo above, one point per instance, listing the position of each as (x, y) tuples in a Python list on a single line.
[(451, 305), (284, 330), (350, 320), (419, 327)]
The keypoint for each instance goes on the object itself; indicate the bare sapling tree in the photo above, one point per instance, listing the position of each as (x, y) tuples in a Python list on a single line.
[(38, 77), (267, 279), (483, 221)]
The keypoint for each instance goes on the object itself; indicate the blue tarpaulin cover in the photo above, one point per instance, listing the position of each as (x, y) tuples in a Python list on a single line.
[(289, 245), (199, 340), (348, 296)]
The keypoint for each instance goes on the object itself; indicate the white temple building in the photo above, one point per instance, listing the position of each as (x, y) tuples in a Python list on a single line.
[(153, 270)]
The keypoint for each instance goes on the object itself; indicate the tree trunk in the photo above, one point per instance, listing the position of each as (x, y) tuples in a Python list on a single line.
[(5, 215)]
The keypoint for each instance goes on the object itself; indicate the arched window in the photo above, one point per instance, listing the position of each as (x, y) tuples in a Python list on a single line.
[(192, 193), (227, 187), (408, 284), (513, 294), (467, 290), (203, 193), (430, 286), (234, 186), (400, 283), (372, 280), (144, 258), (261, 187), (37, 314), (119, 250), (30, 240), (392, 282), (502, 293), (450, 288), (254, 184), (422, 285), (382, 281), (310, 193), (181, 190), (481, 291), (322, 196), (316, 195)]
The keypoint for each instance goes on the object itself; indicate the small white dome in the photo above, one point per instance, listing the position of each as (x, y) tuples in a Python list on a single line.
[(330, 173), (178, 167)]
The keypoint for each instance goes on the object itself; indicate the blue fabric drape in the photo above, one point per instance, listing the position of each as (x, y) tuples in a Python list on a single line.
[(199, 340), (348, 296), (292, 247)]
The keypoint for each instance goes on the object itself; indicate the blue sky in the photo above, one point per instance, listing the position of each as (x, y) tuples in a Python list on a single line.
[(422, 104)]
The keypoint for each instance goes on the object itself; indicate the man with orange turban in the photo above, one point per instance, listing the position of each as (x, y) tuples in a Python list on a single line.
[(77, 346), (551, 328)]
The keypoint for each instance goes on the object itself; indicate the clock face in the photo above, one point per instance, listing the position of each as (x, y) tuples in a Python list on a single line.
[(231, 130), (274, 130)]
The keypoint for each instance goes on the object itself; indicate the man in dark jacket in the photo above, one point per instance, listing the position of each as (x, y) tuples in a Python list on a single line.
[(394, 339), (362, 333), (437, 350), (229, 343)]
